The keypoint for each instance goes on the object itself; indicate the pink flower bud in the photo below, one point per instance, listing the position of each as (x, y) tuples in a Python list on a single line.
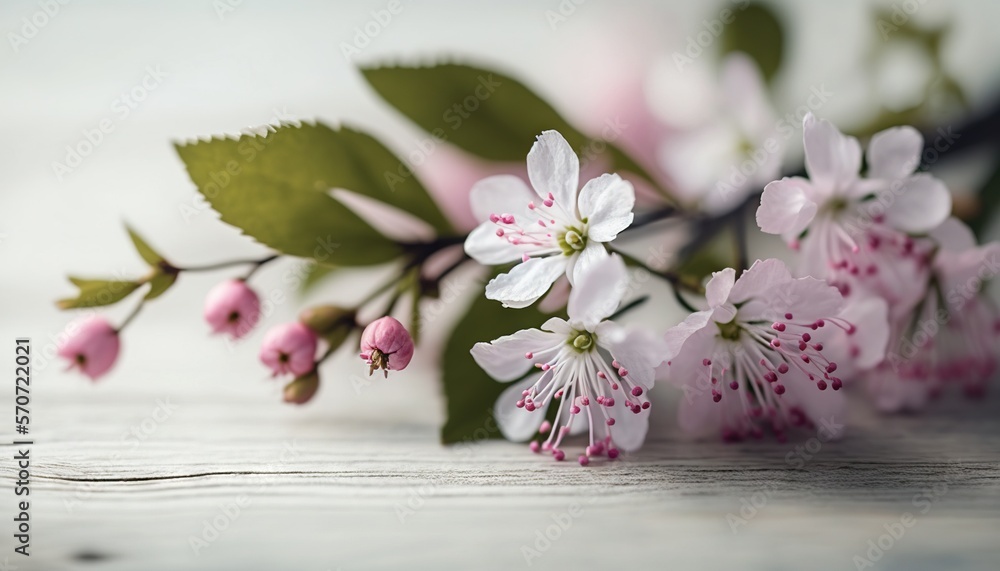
[(289, 348), (386, 345), (232, 308), (92, 346)]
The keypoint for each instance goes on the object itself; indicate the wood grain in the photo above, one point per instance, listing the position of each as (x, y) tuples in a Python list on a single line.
[(318, 489)]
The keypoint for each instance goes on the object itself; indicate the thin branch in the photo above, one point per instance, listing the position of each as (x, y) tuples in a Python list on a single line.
[(628, 306), (740, 236), (131, 316), (229, 264)]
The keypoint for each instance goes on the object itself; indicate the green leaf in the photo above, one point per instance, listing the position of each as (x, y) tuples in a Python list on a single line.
[(164, 273), (275, 189), (469, 391), (94, 293), (160, 283), (145, 251), (757, 32), (377, 173), (485, 112)]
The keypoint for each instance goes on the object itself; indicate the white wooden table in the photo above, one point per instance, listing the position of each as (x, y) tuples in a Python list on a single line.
[(331, 486)]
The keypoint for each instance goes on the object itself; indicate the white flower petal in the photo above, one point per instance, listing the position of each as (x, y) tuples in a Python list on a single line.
[(527, 281), (870, 317), (892, 393), (499, 194), (958, 269), (598, 290), (638, 350), (760, 280), (699, 416), (922, 204), (517, 424), (684, 363), (606, 202), (698, 160), (718, 288), (558, 295), (677, 336), (582, 262), (771, 292), (629, 431), (504, 358), (832, 159), (554, 168), (826, 409), (813, 257), (746, 94), (953, 235), (811, 298), (392, 222), (724, 313), (785, 208), (557, 325), (484, 246), (894, 153), (864, 187)]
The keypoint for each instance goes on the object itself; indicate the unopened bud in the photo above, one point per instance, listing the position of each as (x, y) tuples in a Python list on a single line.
[(302, 389), (386, 345), (93, 349), (232, 308), (289, 348), (324, 319)]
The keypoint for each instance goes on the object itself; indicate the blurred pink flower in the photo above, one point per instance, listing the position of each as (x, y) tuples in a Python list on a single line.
[(857, 230), (726, 143), (92, 346), (233, 308), (449, 173), (386, 345), (758, 356), (289, 348), (953, 337)]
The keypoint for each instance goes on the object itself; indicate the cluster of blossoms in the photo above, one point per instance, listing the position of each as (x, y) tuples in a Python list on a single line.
[(880, 263), (888, 236), (291, 349), (597, 371), (886, 291)]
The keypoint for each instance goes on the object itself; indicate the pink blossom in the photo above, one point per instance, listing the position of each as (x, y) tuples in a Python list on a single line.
[(233, 308), (289, 348), (766, 351), (953, 336), (858, 231), (728, 124), (92, 347), (596, 373), (386, 345)]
